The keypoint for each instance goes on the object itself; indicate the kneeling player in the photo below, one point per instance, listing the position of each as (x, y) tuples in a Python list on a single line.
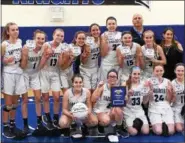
[(178, 85), (160, 111), (74, 95), (102, 99), (133, 112)]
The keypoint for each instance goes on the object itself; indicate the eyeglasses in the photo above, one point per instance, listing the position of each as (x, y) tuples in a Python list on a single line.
[(112, 76)]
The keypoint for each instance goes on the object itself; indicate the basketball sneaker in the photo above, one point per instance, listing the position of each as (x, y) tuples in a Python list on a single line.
[(49, 124)]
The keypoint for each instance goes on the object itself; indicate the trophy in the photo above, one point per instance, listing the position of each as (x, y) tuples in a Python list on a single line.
[(118, 94)]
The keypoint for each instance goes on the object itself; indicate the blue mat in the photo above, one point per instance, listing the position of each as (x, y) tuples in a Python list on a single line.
[(177, 138)]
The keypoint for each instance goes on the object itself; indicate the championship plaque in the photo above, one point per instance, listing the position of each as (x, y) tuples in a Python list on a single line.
[(118, 94)]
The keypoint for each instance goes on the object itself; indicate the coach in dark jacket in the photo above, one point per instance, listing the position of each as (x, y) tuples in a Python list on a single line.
[(138, 29)]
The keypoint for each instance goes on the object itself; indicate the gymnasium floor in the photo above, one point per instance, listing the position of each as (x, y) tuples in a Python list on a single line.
[(177, 138)]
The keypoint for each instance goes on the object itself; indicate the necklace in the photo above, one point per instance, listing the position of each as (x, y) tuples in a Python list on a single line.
[(167, 50)]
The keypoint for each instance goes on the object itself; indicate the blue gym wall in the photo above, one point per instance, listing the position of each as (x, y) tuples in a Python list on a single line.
[(27, 32)]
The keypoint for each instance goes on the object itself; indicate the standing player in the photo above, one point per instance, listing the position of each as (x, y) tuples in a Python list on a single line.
[(178, 85), (110, 40), (89, 68), (153, 54), (49, 77), (31, 55), (13, 79), (76, 51), (133, 112), (74, 95), (79, 40), (160, 111), (128, 55), (66, 66)]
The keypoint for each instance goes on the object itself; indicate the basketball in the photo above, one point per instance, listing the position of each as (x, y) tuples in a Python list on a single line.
[(80, 111)]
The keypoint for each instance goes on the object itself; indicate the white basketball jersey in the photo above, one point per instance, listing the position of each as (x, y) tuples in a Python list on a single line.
[(160, 94), (76, 99), (52, 62), (149, 53), (33, 61), (15, 51), (92, 61), (105, 98), (130, 56), (114, 40), (180, 93), (136, 99)]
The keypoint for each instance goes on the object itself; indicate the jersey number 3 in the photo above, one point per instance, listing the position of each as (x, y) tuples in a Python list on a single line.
[(136, 101)]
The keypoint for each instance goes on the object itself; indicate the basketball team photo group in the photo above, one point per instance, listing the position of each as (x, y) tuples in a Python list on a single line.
[(104, 83)]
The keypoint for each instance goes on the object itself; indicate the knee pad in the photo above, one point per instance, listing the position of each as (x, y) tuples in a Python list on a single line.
[(7, 108), (183, 111), (14, 106), (165, 131), (137, 124)]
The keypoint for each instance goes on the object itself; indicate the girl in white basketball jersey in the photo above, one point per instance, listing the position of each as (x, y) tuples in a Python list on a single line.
[(66, 66), (128, 55), (101, 99), (12, 77), (136, 95), (160, 111), (110, 40), (79, 40), (31, 55), (49, 77), (152, 54), (89, 68), (76, 94), (178, 85), (78, 50)]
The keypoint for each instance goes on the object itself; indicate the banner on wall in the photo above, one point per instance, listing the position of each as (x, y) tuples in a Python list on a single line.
[(145, 3)]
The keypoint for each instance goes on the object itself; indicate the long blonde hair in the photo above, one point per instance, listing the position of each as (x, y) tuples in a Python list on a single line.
[(5, 35)]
